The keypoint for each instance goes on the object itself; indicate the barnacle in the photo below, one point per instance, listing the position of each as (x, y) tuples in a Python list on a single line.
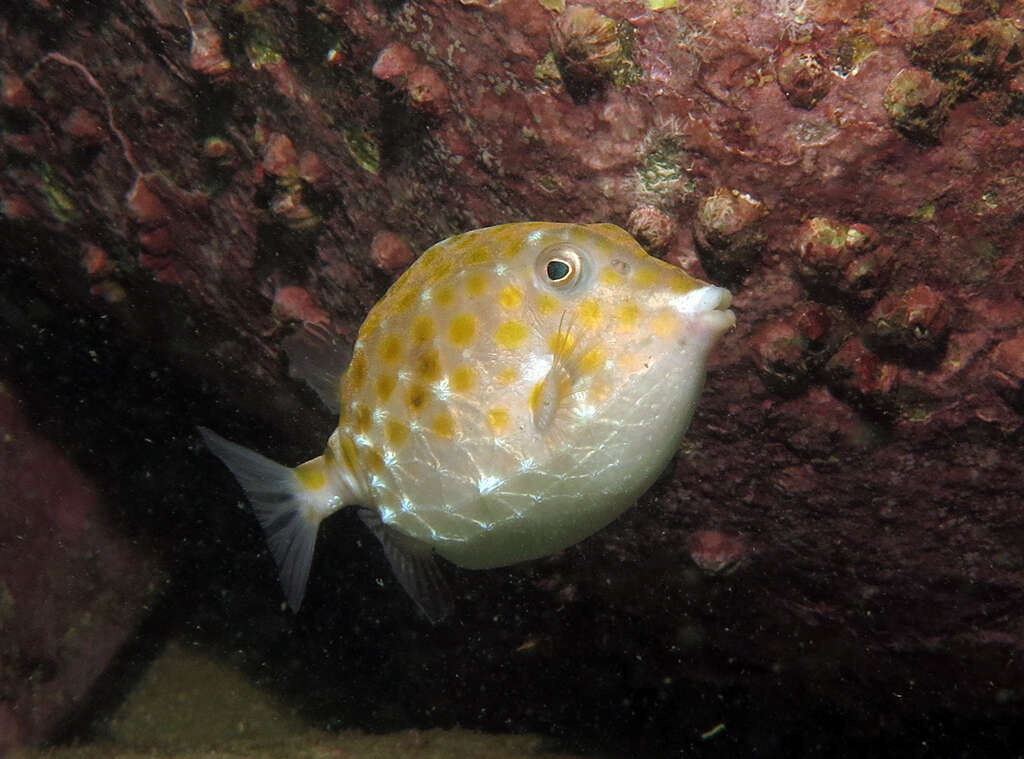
[(911, 325), (917, 104), (591, 50), (728, 232), (802, 75), (843, 262)]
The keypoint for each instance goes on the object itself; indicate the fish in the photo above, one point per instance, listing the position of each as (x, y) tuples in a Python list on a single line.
[(514, 391)]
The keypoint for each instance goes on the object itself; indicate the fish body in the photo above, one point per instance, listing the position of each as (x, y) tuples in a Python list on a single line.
[(514, 391)]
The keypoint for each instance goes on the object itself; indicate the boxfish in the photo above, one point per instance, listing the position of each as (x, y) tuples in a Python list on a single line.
[(514, 391)]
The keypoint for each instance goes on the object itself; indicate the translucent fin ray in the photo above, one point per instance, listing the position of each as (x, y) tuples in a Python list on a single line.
[(414, 567), (276, 498)]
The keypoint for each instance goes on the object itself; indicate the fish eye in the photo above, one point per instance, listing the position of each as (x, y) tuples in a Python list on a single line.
[(559, 266)]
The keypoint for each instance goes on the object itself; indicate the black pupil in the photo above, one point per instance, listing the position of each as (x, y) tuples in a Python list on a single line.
[(557, 270)]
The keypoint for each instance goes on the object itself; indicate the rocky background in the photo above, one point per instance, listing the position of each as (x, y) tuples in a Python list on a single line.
[(188, 188)]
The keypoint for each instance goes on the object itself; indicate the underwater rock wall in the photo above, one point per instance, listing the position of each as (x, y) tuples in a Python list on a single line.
[(215, 178), (72, 589)]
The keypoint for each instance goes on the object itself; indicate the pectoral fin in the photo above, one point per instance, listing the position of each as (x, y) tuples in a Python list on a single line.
[(414, 567)]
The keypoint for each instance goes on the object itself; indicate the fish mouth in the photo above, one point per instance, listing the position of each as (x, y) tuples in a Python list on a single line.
[(712, 303)]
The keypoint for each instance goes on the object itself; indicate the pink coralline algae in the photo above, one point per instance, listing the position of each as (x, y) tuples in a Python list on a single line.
[(427, 91), (394, 61), (292, 303), (95, 261), (14, 93), (280, 157), (716, 552), (399, 66), (145, 205), (84, 126), (391, 251)]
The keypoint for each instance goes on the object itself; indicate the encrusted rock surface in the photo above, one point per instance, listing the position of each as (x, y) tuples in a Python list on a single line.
[(72, 589), (847, 516)]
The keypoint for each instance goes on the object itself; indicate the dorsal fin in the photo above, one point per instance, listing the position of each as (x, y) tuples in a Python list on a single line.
[(319, 360)]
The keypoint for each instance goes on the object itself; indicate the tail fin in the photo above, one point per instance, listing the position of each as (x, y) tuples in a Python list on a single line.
[(289, 507)]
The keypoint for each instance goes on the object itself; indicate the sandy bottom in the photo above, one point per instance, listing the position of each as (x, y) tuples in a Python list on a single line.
[(189, 704)]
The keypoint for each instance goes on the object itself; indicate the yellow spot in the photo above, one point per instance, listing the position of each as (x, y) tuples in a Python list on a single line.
[(645, 276), (463, 379), (589, 313), (682, 283), (374, 462), (363, 417), (478, 254), (664, 325), (404, 299), (349, 455), (547, 304), (462, 329), (396, 433), (497, 420), (610, 277), (441, 269), (476, 283), (444, 296), (626, 316), (428, 366), (509, 245), (311, 475), (422, 328), (390, 349), (591, 361), (416, 398), (561, 344), (385, 386), (535, 396), (356, 374), (443, 425), (510, 297), (511, 334), (508, 375)]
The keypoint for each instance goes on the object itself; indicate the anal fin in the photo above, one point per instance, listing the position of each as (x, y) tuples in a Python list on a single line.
[(414, 567)]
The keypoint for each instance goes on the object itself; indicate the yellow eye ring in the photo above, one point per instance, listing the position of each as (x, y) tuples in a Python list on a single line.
[(559, 266)]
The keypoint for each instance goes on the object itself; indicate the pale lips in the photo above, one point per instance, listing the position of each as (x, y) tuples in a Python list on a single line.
[(712, 303)]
